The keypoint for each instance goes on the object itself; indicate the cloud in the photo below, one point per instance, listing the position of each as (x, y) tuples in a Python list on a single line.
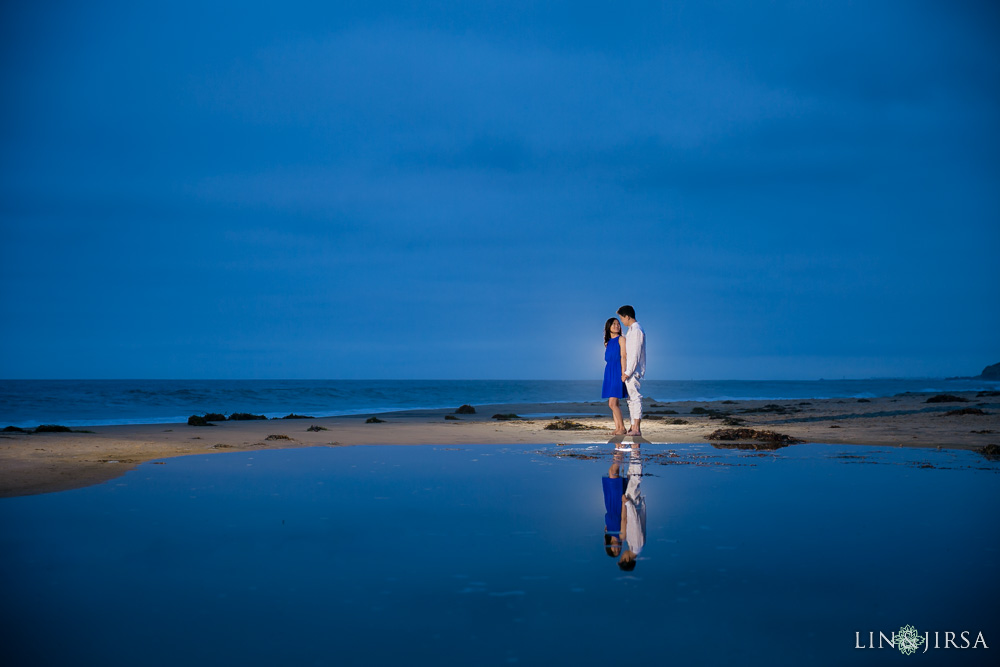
[(766, 179)]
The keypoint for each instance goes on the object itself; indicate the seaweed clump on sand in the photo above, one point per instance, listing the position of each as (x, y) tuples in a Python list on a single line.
[(946, 398), (452, 418), (465, 410), (573, 455), (772, 408), (751, 438), (374, 420), (505, 416), (198, 420), (277, 436), (567, 425), (244, 416), (295, 416), (965, 411), (315, 428), (991, 452), (711, 412)]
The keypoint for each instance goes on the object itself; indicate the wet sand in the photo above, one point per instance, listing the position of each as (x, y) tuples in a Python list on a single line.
[(46, 462)]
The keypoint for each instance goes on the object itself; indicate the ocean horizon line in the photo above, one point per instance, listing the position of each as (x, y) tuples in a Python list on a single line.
[(93, 402), (433, 379)]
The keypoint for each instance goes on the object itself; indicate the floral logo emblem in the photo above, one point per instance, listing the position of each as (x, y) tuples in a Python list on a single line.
[(908, 640)]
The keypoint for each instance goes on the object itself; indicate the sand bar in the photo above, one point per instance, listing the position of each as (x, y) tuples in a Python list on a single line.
[(46, 462)]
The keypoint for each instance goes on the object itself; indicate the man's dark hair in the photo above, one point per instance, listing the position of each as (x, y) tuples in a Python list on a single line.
[(627, 311), (627, 565)]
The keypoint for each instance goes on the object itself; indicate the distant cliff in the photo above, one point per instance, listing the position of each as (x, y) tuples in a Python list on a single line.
[(991, 372)]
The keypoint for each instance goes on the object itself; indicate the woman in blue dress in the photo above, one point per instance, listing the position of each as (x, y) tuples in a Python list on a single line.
[(614, 361)]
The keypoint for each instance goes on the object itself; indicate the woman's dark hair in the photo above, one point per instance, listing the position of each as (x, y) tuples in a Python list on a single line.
[(610, 548), (627, 311), (607, 330)]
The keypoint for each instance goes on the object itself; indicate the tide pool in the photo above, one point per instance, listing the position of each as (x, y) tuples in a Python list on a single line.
[(496, 555)]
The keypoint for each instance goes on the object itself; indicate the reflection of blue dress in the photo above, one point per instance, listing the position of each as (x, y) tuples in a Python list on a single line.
[(614, 489), (613, 385)]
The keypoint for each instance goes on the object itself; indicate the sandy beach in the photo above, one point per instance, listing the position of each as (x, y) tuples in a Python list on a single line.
[(32, 463)]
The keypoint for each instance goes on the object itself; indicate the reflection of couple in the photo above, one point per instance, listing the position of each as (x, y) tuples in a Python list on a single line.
[(624, 367), (625, 511)]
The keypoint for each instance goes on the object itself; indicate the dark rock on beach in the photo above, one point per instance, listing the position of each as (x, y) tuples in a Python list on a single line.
[(56, 428), (991, 372), (215, 417), (465, 410), (374, 420), (505, 416), (451, 418), (14, 429), (244, 416), (946, 398), (295, 416), (314, 428), (965, 411), (198, 420)]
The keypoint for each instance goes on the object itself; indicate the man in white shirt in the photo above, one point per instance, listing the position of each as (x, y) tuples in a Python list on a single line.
[(635, 366)]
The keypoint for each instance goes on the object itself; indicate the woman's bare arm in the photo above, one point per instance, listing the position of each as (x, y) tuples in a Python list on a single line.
[(621, 345)]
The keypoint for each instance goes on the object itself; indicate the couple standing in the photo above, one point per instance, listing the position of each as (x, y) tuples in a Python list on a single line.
[(624, 367)]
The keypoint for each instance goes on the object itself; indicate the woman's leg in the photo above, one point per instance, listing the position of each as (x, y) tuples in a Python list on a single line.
[(616, 412)]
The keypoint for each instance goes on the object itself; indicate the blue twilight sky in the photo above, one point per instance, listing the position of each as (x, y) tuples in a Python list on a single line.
[(469, 189)]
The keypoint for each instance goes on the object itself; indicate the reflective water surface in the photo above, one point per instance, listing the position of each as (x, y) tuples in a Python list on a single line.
[(681, 554)]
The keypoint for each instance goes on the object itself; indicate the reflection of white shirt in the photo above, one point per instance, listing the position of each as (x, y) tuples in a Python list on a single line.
[(635, 351), (635, 507)]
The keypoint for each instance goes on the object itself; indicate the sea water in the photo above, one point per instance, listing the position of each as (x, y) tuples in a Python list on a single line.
[(495, 555), (28, 403)]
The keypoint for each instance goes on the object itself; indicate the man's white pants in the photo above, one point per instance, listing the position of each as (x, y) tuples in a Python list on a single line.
[(634, 398)]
